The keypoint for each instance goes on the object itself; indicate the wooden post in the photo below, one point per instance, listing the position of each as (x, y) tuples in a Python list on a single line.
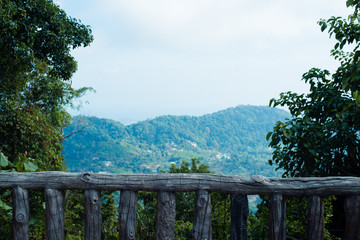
[(127, 215), (315, 218), (20, 225), (93, 220), (277, 217), (165, 216), (54, 200), (202, 223), (239, 215), (352, 217)]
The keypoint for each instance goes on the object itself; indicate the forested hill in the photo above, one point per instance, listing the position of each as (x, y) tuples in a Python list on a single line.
[(231, 141)]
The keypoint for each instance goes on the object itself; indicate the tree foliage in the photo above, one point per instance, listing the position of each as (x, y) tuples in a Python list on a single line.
[(35, 71), (232, 137), (322, 136), (36, 38)]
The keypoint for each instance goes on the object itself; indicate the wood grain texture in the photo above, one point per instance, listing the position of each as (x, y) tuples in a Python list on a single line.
[(127, 215), (239, 215), (315, 218), (183, 182), (352, 217), (277, 217), (165, 216), (20, 225), (54, 201), (202, 222), (93, 220)]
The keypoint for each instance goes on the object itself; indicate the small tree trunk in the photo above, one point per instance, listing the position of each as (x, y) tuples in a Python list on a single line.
[(315, 218), (93, 220), (54, 214), (277, 217), (127, 215), (352, 217), (239, 215), (202, 223), (20, 214), (165, 216)]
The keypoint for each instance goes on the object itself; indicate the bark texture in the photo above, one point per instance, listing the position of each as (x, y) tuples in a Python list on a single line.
[(165, 216), (54, 200), (93, 220), (315, 218), (352, 217), (127, 215), (20, 227), (202, 223), (183, 183), (277, 217), (239, 215)]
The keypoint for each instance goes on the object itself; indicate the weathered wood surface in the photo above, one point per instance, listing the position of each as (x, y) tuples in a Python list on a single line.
[(20, 226), (127, 215), (239, 215), (202, 222), (54, 201), (315, 218), (352, 217), (165, 216), (277, 217), (183, 182), (93, 220)]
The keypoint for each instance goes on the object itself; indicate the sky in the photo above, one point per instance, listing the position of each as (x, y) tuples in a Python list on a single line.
[(194, 57)]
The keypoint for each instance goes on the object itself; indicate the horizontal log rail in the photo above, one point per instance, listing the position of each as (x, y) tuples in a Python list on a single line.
[(183, 183), (54, 184)]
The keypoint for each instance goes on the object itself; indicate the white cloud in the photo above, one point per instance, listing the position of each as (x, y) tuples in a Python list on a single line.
[(213, 22)]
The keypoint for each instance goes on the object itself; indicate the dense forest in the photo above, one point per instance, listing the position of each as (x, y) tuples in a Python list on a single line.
[(231, 141)]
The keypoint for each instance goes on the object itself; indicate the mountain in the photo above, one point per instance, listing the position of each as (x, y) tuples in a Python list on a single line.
[(231, 141)]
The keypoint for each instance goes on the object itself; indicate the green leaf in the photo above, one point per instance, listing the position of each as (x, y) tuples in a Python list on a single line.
[(349, 3), (3, 160), (286, 133), (30, 166), (4, 206), (323, 27), (19, 166), (268, 136)]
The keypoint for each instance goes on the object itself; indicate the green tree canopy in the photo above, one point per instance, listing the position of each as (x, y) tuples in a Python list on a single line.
[(36, 38), (322, 136)]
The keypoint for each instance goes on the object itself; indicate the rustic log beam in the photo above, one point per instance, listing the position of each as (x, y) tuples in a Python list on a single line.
[(127, 215), (165, 216), (93, 220), (54, 200), (315, 218), (352, 217), (202, 222), (277, 217), (239, 215), (183, 183), (20, 226)]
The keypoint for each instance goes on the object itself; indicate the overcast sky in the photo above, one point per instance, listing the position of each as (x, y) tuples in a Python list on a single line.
[(191, 57)]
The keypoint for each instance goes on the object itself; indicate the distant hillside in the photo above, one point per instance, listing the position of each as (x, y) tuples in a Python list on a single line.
[(231, 141)]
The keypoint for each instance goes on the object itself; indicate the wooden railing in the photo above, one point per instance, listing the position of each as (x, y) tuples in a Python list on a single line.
[(54, 183)]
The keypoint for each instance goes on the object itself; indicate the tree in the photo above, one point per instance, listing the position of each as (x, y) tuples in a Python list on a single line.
[(36, 67), (322, 136), (35, 72)]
